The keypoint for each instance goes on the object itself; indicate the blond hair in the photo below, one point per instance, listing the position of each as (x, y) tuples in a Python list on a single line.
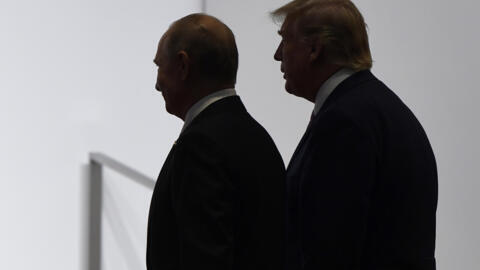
[(337, 24)]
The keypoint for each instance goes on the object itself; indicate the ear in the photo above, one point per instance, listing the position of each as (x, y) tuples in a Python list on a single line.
[(316, 50), (184, 64)]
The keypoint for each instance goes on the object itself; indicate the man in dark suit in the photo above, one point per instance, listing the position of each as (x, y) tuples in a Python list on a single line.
[(219, 199), (362, 183)]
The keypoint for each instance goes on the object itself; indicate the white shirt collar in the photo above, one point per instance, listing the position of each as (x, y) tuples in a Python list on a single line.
[(204, 102), (329, 85)]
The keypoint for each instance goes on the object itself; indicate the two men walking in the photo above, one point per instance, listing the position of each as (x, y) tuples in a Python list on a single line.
[(360, 191)]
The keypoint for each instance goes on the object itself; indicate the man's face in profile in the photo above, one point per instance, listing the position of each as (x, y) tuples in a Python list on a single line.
[(168, 82), (292, 52)]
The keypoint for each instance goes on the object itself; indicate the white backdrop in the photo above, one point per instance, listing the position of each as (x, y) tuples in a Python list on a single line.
[(427, 52), (77, 76)]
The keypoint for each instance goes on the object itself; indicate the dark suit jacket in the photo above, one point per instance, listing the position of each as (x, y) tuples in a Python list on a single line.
[(362, 185), (219, 199)]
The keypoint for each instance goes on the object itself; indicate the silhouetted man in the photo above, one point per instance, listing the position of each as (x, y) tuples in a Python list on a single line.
[(362, 183), (218, 201)]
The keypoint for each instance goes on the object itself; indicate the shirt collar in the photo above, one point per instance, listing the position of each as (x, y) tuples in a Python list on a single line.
[(328, 86), (204, 102)]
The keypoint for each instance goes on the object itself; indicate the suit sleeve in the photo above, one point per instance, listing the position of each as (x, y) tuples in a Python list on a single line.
[(202, 202), (335, 197)]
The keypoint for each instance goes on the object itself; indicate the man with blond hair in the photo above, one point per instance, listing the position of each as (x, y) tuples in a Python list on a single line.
[(362, 183), (219, 198)]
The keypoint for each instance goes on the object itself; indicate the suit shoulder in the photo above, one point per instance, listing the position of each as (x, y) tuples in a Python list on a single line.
[(370, 101), (227, 126), (195, 137)]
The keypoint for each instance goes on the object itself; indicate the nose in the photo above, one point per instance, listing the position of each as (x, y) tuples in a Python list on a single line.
[(278, 53)]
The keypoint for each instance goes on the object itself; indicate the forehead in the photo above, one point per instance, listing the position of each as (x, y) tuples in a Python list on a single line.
[(161, 47), (163, 41), (287, 28)]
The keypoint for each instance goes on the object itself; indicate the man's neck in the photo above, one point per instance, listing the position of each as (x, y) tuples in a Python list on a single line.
[(322, 74), (206, 101), (200, 92)]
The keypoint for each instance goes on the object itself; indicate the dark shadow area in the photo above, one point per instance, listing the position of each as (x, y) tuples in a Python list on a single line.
[(95, 216), (91, 216)]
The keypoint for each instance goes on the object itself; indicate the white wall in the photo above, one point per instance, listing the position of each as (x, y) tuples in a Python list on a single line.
[(427, 52), (77, 76)]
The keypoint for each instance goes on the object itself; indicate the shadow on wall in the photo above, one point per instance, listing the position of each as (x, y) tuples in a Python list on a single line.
[(100, 201), (91, 220)]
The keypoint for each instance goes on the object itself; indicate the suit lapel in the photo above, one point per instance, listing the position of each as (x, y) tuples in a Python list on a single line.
[(343, 88), (300, 145)]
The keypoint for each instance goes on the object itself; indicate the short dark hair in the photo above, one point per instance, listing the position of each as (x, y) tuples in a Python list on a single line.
[(214, 53)]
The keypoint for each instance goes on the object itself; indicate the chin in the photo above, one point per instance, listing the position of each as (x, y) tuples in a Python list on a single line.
[(168, 109), (168, 105), (172, 111), (289, 88), (292, 91)]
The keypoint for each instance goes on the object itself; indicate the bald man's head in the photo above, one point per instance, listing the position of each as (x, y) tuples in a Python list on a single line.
[(209, 43)]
